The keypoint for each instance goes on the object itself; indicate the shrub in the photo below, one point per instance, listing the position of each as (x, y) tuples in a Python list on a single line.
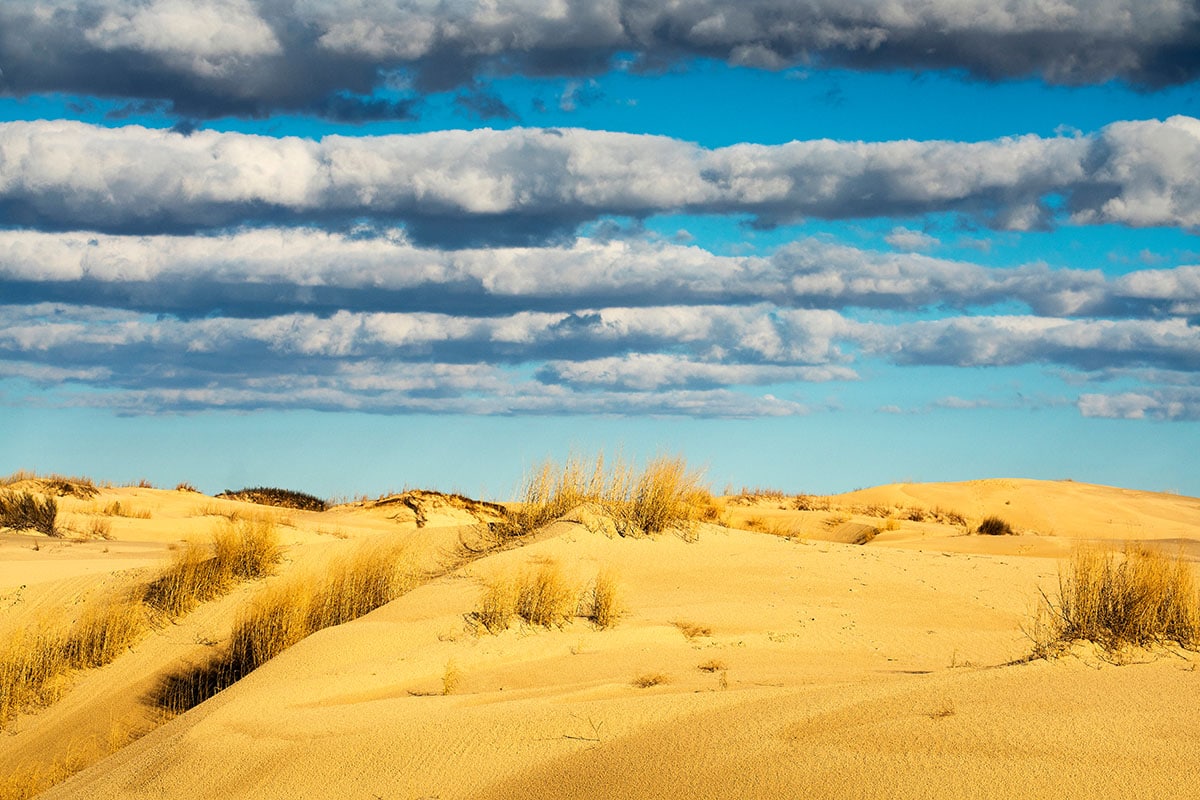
[(25, 511), (1140, 598), (544, 597), (646, 680), (282, 498), (994, 526)]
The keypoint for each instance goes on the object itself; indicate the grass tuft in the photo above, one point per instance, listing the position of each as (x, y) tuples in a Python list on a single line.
[(665, 495), (23, 511), (1140, 597), (646, 680), (602, 607), (241, 550), (35, 661)]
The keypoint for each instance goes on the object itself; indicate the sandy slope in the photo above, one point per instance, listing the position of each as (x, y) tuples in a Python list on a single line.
[(827, 670)]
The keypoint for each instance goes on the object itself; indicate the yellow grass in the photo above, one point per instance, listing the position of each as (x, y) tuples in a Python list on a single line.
[(240, 550), (665, 495), (603, 607), (35, 661), (283, 614), (539, 597), (1140, 597)]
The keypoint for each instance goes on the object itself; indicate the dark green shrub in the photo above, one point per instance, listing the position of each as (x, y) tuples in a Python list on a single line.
[(283, 498), (994, 526)]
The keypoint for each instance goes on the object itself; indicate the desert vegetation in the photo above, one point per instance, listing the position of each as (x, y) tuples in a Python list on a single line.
[(240, 550), (24, 510), (1138, 597), (35, 661), (543, 596), (298, 606), (994, 526), (664, 495), (282, 498)]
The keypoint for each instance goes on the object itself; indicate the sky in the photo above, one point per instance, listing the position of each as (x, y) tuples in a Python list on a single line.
[(353, 246)]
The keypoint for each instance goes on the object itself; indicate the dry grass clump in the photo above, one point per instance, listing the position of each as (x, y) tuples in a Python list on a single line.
[(1140, 597), (241, 550), (539, 597), (648, 679), (35, 661), (117, 509), (602, 606), (282, 498), (994, 526), (287, 612), (808, 502), (25, 511), (60, 485), (691, 630), (665, 495)]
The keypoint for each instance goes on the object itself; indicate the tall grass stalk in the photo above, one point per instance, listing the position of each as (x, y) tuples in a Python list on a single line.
[(359, 582), (664, 495)]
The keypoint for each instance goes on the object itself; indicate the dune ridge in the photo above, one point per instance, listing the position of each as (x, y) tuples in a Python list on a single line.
[(757, 656)]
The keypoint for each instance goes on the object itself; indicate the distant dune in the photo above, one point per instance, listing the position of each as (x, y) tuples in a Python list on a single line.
[(870, 644)]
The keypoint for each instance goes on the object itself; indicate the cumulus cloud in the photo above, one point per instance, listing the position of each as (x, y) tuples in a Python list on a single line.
[(216, 57), (670, 359), (269, 271), (1163, 404), (457, 188), (903, 238), (997, 341)]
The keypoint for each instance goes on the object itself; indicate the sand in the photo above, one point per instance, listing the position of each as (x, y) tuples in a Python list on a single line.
[(773, 662)]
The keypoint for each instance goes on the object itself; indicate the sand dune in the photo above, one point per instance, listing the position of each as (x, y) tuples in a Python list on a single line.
[(746, 663)]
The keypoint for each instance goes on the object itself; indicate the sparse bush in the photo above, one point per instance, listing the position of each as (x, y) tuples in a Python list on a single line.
[(1141, 597), (184, 486), (808, 502), (648, 679), (25, 511), (545, 598), (603, 608), (498, 604), (117, 509), (666, 495), (994, 526), (282, 498), (949, 517)]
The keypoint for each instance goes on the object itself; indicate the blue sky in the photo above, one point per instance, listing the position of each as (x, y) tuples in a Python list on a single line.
[(348, 247)]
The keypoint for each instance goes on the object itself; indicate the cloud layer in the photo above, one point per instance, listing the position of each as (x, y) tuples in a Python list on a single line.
[(458, 188), (252, 57), (150, 271)]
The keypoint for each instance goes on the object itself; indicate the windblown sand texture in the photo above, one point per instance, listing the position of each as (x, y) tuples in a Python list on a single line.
[(766, 656)]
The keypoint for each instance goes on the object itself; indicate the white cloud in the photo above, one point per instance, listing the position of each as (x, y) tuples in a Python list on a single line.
[(69, 174), (903, 238)]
